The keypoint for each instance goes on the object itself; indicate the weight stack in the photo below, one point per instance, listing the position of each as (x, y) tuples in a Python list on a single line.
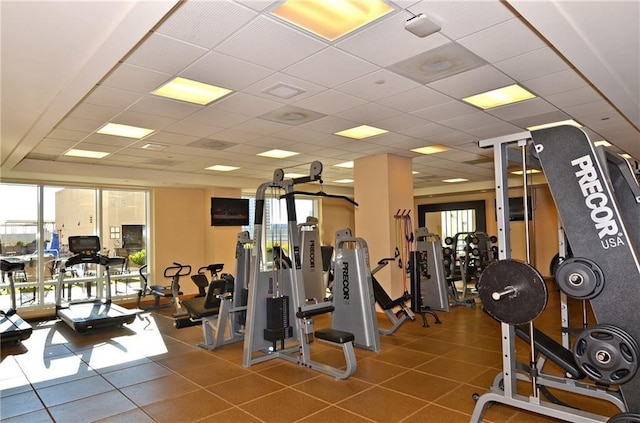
[(278, 328)]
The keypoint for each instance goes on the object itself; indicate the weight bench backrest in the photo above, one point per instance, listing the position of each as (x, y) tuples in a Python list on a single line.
[(216, 288), (383, 299)]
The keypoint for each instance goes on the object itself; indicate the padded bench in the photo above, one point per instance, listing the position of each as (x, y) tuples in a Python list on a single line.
[(551, 349)]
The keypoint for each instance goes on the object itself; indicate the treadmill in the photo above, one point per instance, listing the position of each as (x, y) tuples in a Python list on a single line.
[(12, 327), (93, 313)]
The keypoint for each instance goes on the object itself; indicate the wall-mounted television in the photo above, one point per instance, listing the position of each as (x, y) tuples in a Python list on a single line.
[(229, 211), (516, 208)]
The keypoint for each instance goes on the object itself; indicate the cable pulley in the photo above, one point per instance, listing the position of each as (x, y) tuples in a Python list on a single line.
[(607, 354), (512, 291)]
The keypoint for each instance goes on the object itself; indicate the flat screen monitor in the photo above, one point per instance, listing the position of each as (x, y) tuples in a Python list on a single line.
[(229, 211)]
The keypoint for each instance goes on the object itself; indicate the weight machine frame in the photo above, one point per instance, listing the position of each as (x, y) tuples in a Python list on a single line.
[(508, 393)]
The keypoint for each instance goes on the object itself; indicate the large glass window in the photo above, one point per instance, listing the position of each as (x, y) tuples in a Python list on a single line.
[(36, 222)]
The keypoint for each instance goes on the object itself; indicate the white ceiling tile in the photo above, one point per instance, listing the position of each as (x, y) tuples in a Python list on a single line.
[(444, 111), (379, 43), (80, 125), (194, 129), (112, 97), (160, 106), (329, 102), (367, 113), (399, 122), (540, 119), (143, 120), (170, 138), (165, 54), (555, 83), (206, 23), (216, 117), (534, 106), (133, 78), (330, 67), (299, 134), (426, 131), (329, 125), (531, 65), (98, 147), (270, 143), (109, 140), (246, 104), (599, 108), (492, 45), (225, 71), (472, 82), (469, 122), (271, 44), (414, 99), (262, 126), (574, 97), (94, 112), (377, 85), (235, 136), (66, 134), (461, 18)]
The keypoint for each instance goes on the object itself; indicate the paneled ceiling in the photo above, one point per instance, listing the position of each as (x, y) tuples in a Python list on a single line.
[(70, 67)]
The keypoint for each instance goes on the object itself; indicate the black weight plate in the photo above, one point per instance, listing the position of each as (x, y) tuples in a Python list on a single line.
[(448, 240), (493, 239), (625, 418), (580, 278), (607, 354), (526, 302)]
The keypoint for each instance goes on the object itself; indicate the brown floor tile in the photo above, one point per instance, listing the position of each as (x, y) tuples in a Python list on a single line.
[(186, 408), (74, 390), (245, 388), (189, 360), (283, 406), (382, 405), (374, 371), (431, 346), (133, 416), (404, 357), (137, 374), (288, 373), (421, 385), (476, 356), (230, 415), (331, 390), (214, 373), (460, 399), (334, 415), (92, 408), (40, 416), (160, 389), (435, 414), (452, 369), (22, 403)]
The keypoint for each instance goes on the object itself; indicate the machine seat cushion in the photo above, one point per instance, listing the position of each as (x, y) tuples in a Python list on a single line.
[(199, 307), (334, 335), (552, 349)]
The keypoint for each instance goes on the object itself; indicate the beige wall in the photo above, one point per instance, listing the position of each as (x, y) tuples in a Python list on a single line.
[(335, 214)]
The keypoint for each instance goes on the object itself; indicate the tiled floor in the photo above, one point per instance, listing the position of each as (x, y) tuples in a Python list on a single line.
[(150, 371)]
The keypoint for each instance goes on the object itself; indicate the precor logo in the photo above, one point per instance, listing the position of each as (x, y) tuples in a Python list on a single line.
[(345, 282)]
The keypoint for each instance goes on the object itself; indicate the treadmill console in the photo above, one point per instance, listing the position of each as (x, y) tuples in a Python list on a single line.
[(85, 245)]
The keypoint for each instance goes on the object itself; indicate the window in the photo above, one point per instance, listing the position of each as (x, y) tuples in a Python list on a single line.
[(39, 236)]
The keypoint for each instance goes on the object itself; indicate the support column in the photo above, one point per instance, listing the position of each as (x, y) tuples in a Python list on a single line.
[(383, 185)]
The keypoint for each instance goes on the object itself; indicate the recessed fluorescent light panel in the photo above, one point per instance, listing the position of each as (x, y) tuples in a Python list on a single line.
[(331, 19), (345, 165), (222, 168), (126, 131), (88, 154), (602, 143), (361, 132), (500, 97), (277, 154), (344, 181), (570, 122), (293, 175), (454, 180), (191, 91), (431, 149)]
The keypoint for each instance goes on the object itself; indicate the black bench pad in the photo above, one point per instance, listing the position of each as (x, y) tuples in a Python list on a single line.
[(334, 335), (551, 349)]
